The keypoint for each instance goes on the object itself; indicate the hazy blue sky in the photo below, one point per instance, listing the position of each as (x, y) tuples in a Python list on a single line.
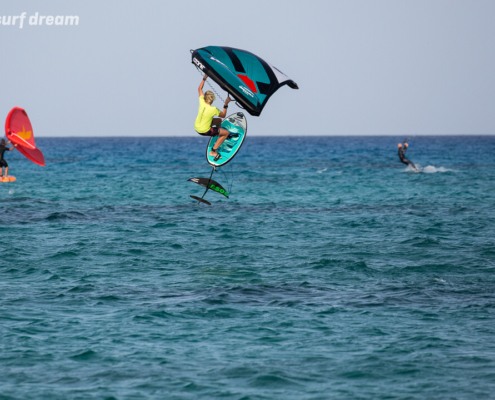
[(363, 67)]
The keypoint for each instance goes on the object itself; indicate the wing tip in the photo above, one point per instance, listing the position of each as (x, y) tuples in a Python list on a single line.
[(292, 85)]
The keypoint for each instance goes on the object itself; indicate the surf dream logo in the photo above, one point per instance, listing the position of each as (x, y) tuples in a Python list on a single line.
[(39, 20), (198, 64)]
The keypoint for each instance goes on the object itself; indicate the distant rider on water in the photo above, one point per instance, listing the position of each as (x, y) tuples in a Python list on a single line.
[(3, 163), (402, 156), (206, 124)]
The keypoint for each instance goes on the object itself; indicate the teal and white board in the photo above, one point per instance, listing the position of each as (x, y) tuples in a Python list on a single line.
[(235, 123)]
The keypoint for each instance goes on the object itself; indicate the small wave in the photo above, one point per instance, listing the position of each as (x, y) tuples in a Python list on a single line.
[(85, 355), (81, 289), (17, 199), (273, 380), (65, 253), (321, 170), (64, 215)]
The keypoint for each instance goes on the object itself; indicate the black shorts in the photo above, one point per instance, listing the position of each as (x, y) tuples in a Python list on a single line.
[(214, 131), (3, 163)]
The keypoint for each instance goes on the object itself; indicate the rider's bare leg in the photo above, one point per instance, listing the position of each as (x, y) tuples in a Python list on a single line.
[(224, 134)]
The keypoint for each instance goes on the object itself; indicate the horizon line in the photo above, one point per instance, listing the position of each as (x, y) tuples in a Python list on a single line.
[(275, 136)]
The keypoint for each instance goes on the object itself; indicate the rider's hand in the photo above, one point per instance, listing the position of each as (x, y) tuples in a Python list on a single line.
[(228, 100)]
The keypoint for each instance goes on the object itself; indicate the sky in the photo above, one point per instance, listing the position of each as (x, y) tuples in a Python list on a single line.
[(363, 67)]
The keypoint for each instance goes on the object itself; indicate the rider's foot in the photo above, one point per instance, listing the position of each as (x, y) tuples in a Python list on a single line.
[(215, 154)]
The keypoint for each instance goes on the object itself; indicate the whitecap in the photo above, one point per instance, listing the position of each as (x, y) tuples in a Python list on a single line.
[(410, 168), (430, 169)]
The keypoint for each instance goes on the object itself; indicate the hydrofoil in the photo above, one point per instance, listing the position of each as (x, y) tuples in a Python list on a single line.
[(236, 124)]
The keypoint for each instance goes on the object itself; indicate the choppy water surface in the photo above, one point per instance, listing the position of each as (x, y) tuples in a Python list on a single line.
[(331, 272)]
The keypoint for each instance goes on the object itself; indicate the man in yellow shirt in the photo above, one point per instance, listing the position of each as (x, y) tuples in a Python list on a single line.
[(206, 124)]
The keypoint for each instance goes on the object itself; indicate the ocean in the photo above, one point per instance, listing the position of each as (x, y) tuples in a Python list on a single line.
[(331, 272)]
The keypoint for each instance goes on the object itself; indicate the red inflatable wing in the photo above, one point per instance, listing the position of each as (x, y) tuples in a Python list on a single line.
[(19, 131), (35, 155)]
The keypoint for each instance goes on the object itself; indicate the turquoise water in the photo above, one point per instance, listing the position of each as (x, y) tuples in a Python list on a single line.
[(331, 272)]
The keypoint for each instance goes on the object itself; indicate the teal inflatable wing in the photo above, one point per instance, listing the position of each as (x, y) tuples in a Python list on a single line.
[(245, 76)]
